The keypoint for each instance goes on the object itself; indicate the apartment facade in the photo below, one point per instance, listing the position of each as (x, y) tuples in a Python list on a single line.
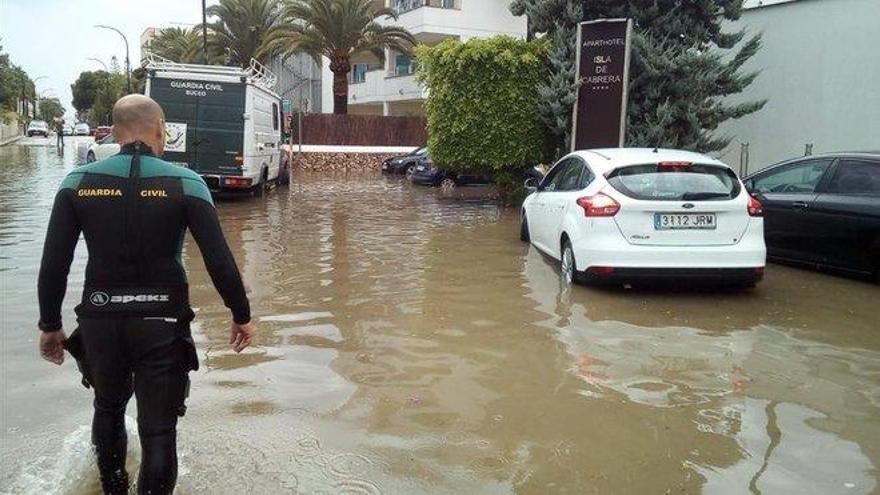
[(390, 88), (819, 71)]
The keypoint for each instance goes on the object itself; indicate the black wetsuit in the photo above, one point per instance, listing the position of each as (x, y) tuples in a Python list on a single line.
[(133, 331)]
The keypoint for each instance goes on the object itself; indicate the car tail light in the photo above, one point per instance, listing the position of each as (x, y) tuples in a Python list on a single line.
[(756, 209), (673, 166), (599, 205), (600, 271), (237, 181)]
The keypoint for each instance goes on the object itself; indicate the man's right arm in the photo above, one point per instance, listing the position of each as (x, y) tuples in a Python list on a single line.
[(205, 227)]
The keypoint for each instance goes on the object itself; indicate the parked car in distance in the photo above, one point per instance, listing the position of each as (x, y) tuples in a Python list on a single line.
[(82, 129), (823, 211), (627, 215), (68, 130), (38, 128), (426, 174), (102, 131), (404, 164), (103, 149)]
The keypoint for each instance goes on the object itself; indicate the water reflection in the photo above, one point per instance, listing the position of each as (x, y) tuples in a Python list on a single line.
[(410, 344)]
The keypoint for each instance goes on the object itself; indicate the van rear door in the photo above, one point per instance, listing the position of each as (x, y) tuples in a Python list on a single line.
[(204, 123)]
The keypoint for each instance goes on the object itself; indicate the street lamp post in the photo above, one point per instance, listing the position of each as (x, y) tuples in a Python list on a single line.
[(93, 59), (127, 62)]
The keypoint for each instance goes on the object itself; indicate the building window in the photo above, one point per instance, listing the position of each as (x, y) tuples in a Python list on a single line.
[(358, 73), (404, 65)]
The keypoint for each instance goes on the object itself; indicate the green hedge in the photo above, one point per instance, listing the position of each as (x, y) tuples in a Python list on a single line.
[(482, 105)]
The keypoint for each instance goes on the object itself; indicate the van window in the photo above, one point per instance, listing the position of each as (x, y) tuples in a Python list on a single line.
[(275, 116)]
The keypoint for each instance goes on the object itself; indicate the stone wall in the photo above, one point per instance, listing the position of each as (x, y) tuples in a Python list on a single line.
[(339, 161)]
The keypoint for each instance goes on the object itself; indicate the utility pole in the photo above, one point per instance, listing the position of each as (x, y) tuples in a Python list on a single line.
[(204, 33)]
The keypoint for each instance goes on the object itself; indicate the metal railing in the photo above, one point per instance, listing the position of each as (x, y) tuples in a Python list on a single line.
[(402, 6), (257, 73)]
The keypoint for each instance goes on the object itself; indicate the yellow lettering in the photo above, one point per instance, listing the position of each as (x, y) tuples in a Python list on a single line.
[(154, 193), (98, 192)]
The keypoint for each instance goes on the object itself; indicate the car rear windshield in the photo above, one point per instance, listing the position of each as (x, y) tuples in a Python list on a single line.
[(675, 182)]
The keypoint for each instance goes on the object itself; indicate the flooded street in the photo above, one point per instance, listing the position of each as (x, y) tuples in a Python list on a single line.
[(409, 343)]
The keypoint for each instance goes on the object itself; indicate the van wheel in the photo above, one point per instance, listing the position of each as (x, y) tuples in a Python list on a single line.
[(263, 187), (410, 170)]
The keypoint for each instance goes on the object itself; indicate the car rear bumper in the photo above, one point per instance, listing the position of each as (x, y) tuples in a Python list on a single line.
[(746, 276), (602, 245), (428, 180)]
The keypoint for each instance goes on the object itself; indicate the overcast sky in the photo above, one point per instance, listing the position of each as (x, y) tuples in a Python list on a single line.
[(54, 38)]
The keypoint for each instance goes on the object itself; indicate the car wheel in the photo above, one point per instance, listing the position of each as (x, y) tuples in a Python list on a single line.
[(568, 265), (410, 170), (447, 184), (524, 229), (90, 157)]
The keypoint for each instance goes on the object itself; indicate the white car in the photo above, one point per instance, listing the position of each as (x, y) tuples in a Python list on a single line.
[(38, 127), (82, 129), (623, 214), (103, 149)]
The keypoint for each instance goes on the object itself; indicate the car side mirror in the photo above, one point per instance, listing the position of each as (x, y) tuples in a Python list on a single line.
[(531, 184)]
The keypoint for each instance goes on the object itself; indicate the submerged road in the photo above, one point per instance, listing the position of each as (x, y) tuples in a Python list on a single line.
[(409, 343)]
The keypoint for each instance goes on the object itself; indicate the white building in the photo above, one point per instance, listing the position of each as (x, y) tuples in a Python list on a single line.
[(391, 88), (820, 74)]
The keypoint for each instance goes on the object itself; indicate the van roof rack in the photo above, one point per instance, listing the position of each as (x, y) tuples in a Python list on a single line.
[(257, 73)]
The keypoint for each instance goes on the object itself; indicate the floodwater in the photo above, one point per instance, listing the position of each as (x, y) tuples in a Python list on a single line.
[(409, 343)]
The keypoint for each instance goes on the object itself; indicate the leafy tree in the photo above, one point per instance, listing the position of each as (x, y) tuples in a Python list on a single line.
[(15, 84), (239, 32), (101, 111), (680, 73), (49, 108), (482, 105), (86, 87), (338, 30)]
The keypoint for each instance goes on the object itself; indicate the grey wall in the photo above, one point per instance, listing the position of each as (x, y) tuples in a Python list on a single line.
[(298, 76), (820, 66)]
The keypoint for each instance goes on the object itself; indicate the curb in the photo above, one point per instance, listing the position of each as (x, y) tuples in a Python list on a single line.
[(11, 140)]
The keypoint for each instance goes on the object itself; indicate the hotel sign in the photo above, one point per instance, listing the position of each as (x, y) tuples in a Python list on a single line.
[(599, 119)]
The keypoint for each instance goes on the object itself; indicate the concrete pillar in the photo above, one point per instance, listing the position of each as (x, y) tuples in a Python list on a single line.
[(386, 108)]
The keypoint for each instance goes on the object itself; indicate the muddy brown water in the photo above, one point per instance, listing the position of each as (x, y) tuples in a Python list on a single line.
[(409, 343)]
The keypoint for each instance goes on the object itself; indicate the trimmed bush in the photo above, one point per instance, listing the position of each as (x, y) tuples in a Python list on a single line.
[(482, 106)]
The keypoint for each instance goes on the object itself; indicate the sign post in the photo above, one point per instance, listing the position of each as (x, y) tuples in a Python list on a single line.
[(599, 119)]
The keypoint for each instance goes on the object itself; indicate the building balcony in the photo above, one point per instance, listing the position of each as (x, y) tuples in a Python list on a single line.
[(379, 86)]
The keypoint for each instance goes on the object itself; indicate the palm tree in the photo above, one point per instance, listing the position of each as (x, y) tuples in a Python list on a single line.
[(338, 30), (178, 44), (240, 29)]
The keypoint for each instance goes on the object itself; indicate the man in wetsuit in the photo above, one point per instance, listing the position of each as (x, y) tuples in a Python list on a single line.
[(133, 334)]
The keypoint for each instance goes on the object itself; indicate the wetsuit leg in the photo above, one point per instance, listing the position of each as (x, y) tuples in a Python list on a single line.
[(111, 377), (160, 371)]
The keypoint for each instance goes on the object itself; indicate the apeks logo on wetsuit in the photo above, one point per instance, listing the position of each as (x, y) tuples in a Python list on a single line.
[(102, 298), (98, 192)]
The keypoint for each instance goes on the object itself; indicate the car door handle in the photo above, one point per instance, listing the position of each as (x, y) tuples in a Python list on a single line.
[(800, 205)]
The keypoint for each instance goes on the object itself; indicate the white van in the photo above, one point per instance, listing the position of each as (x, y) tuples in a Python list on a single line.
[(223, 122)]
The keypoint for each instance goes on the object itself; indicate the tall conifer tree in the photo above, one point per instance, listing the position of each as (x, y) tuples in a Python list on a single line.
[(683, 67)]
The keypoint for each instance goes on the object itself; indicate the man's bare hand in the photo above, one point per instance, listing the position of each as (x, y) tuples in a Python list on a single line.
[(51, 346), (241, 336)]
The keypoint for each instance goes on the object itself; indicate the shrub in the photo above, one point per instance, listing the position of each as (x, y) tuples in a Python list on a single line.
[(482, 106)]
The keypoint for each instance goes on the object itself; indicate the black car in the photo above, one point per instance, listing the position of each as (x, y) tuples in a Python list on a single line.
[(404, 164), (823, 211), (426, 174)]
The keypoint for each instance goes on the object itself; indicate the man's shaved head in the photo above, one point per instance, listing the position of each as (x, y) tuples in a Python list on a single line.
[(139, 118)]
